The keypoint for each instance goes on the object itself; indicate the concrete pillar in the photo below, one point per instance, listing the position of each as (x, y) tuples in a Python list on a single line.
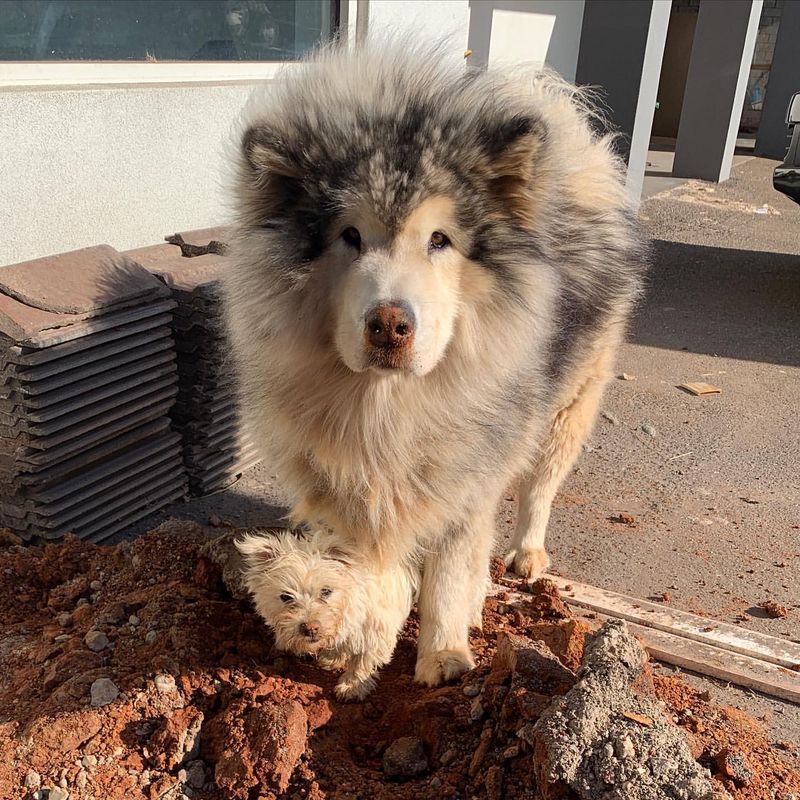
[(784, 80), (622, 44), (722, 53)]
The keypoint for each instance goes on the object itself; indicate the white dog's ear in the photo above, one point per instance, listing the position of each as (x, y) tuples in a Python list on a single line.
[(258, 549)]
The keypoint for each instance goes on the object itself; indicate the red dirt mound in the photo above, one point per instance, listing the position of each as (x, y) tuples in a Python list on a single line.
[(130, 672)]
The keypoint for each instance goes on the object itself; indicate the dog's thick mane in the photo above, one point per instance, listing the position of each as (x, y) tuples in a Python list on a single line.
[(556, 258)]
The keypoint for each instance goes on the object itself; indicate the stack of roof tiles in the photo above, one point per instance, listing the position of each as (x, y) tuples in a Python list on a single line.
[(216, 449), (87, 379)]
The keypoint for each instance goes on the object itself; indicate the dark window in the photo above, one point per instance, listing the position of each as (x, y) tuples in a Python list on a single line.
[(162, 30)]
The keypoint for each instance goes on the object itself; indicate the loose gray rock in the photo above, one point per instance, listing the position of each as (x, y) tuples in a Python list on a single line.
[(33, 780), (103, 692), (96, 641), (57, 793), (89, 761), (609, 417), (151, 636), (196, 775), (133, 620), (473, 690), (95, 586), (649, 429), (405, 758), (64, 619), (598, 738)]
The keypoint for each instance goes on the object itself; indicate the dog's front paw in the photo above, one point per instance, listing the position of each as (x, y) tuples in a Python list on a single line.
[(353, 688), (528, 564), (446, 665)]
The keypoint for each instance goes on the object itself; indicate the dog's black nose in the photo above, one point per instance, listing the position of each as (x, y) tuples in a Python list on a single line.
[(390, 326), (310, 629)]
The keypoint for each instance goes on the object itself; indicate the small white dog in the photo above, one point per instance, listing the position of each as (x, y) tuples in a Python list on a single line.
[(322, 598)]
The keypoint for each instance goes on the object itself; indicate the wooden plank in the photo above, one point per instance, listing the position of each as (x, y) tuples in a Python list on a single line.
[(705, 659), (690, 626), (700, 657)]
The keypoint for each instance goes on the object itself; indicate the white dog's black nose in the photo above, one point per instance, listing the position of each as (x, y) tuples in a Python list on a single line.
[(310, 629), (390, 326)]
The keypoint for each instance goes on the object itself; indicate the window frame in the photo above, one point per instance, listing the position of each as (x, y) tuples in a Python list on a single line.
[(43, 74)]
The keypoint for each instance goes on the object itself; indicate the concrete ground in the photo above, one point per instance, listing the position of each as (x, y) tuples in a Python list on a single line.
[(716, 490)]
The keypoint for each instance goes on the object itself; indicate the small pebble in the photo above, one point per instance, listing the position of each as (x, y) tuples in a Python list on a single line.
[(405, 758), (133, 619), (62, 637), (649, 429), (476, 711), (80, 781), (64, 619), (82, 601), (609, 417), (33, 780), (472, 690), (58, 793), (151, 637), (95, 586), (164, 683), (511, 752), (448, 757), (103, 692), (89, 761), (96, 641)]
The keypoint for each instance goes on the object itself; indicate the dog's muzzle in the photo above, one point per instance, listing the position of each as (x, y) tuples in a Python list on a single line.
[(389, 330)]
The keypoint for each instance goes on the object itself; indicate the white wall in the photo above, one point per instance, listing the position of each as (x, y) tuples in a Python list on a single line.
[(529, 31), (426, 19), (117, 165)]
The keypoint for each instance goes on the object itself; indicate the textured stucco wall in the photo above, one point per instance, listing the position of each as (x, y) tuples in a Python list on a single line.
[(122, 165)]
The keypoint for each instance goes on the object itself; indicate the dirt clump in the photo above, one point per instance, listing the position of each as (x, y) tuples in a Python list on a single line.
[(604, 739), (187, 696), (774, 610)]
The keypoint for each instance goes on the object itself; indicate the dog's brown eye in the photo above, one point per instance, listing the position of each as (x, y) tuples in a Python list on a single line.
[(352, 237), (287, 598), (326, 593), (438, 241)]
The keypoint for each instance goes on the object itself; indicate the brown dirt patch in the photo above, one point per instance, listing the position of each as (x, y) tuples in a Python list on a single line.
[(207, 708)]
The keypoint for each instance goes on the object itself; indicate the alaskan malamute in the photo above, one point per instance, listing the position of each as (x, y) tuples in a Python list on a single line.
[(433, 268)]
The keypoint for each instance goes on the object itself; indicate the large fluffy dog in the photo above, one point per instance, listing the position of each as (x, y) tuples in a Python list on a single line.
[(432, 271)]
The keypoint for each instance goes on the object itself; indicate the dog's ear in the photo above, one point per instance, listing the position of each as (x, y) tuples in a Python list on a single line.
[(257, 549), (270, 167), (512, 148)]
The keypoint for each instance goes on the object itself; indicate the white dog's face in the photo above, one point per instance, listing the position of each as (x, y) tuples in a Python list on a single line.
[(398, 299), (301, 587)]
